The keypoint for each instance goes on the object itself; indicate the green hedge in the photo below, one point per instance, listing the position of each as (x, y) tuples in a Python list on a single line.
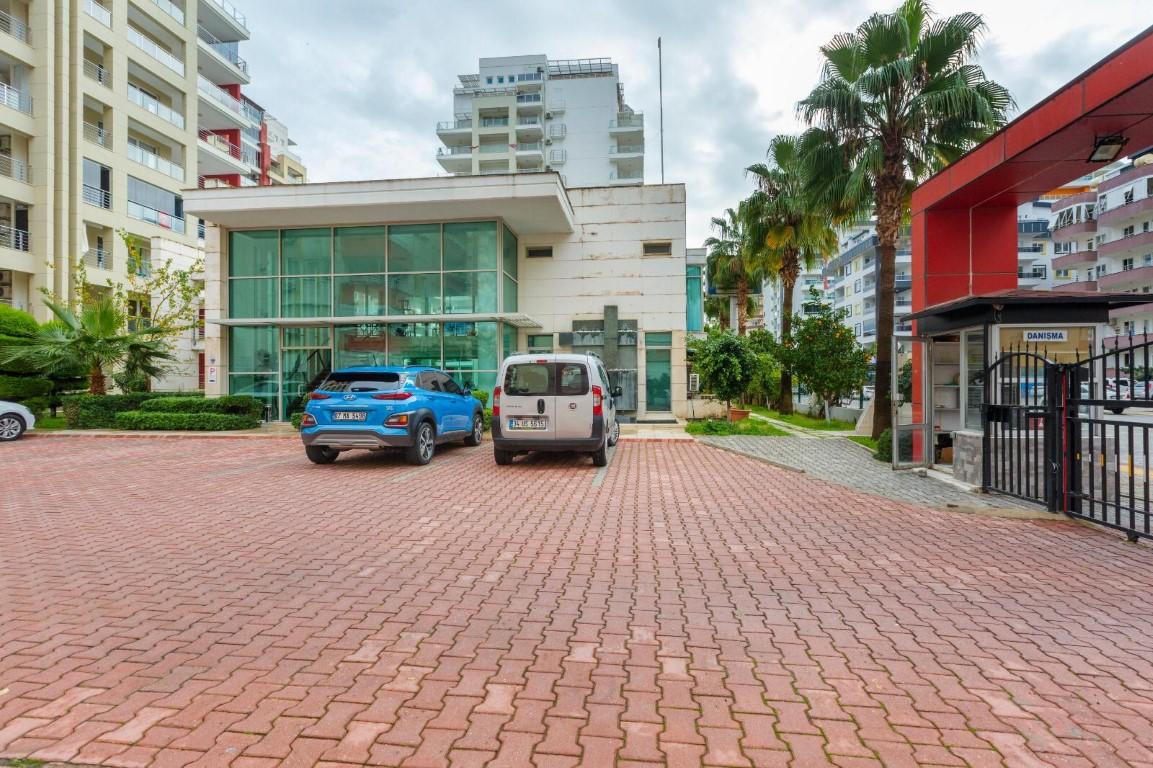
[(16, 322), (99, 411), (20, 388), (204, 422), (239, 405)]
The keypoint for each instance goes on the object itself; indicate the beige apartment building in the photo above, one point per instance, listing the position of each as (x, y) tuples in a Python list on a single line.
[(109, 110)]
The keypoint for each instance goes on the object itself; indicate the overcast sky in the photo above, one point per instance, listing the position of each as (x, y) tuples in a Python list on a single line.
[(361, 84)]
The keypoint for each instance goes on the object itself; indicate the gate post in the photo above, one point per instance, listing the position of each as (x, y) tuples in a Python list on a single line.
[(1056, 403)]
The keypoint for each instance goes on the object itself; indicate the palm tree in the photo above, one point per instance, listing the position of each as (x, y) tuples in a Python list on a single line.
[(792, 230), (898, 100), (726, 262), (95, 339)]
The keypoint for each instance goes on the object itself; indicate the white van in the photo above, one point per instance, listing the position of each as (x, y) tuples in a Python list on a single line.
[(554, 402)]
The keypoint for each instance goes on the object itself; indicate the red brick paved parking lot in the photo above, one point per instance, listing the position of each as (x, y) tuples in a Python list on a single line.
[(224, 602)]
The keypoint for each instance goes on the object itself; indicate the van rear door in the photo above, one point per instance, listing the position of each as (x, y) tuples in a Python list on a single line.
[(528, 401), (574, 401)]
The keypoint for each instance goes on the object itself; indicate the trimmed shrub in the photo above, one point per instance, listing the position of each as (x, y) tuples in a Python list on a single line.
[(99, 411), (17, 322), (885, 447), (482, 395), (487, 419), (296, 418), (240, 405), (21, 388), (201, 422)]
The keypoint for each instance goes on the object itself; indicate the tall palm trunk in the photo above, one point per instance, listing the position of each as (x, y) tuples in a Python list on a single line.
[(96, 385), (742, 303), (789, 272), (889, 195)]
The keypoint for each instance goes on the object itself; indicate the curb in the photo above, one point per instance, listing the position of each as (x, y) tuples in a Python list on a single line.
[(139, 434), (761, 459)]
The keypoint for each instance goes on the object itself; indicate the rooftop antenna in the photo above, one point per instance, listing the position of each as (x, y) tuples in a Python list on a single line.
[(661, 96)]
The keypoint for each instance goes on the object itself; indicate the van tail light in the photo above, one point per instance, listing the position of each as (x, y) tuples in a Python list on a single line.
[(598, 401), (308, 420), (391, 396), (496, 402), (318, 396)]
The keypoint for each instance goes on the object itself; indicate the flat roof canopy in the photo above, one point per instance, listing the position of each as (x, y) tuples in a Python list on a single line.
[(518, 319), (1020, 306), (531, 203)]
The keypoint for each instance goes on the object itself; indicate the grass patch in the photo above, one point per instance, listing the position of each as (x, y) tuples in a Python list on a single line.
[(803, 420), (747, 427), (51, 422), (864, 440)]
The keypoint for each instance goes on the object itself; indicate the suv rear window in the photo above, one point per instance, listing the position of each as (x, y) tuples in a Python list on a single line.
[(538, 379), (362, 382)]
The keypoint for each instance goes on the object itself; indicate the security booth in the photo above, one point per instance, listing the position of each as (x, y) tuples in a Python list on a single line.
[(985, 376)]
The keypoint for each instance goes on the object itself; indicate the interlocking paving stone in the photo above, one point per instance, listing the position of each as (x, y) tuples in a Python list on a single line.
[(224, 602)]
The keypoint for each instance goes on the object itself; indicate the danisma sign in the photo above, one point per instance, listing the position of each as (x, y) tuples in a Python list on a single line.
[(1043, 335)]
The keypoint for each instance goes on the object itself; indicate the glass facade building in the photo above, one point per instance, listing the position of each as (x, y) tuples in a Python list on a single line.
[(336, 297)]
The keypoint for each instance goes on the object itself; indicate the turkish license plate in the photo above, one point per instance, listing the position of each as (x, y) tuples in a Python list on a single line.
[(528, 424), (349, 415)]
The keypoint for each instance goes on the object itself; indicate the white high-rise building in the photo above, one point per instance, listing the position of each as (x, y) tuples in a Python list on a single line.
[(520, 114)]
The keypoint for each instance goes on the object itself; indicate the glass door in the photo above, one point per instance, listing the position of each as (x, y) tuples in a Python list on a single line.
[(912, 404), (658, 380), (306, 358)]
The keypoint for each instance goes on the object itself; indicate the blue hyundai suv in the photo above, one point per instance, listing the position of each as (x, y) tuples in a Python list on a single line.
[(414, 408)]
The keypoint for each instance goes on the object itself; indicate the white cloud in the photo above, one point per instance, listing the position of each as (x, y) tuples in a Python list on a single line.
[(362, 83)]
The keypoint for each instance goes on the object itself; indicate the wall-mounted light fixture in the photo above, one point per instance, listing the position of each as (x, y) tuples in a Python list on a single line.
[(1107, 148)]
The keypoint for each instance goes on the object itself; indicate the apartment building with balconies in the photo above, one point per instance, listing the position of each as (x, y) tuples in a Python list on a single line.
[(524, 114), (851, 281), (109, 109)]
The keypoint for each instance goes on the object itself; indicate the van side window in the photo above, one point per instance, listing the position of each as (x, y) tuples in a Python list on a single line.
[(573, 379)]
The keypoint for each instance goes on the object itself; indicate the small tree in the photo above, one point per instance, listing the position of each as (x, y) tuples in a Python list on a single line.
[(824, 354), (726, 363), (767, 381)]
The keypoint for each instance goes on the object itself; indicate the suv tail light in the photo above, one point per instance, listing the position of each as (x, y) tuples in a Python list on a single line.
[(397, 420), (391, 396), (308, 420), (496, 402), (598, 401), (317, 396)]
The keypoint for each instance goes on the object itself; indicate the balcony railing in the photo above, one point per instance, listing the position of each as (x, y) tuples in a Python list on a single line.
[(16, 99), (13, 26), (242, 153), (100, 258), (101, 198), (153, 216), (216, 93), (230, 11), (98, 135), (172, 10), (490, 149), (150, 47), (227, 51), (155, 162), (98, 73), (493, 122), (635, 149), (149, 103), (98, 12), (635, 120), (527, 121), (13, 168), (626, 176), (16, 239), (529, 146), (452, 125), (211, 182), (449, 151), (528, 98)]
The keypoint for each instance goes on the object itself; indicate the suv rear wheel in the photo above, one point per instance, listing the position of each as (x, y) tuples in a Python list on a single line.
[(320, 454), (477, 433), (423, 445)]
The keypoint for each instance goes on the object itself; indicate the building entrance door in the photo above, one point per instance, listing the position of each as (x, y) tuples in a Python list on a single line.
[(658, 380), (305, 359)]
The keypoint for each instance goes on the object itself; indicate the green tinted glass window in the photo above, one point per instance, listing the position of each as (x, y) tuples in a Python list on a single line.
[(253, 254), (414, 294), (469, 292), (358, 249), (414, 344), (361, 345), (510, 295), (305, 296), (659, 339), (470, 346), (470, 245), (305, 251), (510, 252), (252, 297), (296, 337), (360, 295), (540, 342), (264, 387), (414, 248), (252, 349)]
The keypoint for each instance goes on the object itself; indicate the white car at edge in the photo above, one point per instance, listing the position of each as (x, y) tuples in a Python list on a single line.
[(15, 420)]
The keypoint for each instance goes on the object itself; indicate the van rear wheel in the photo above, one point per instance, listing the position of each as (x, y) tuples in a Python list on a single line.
[(503, 458), (601, 455)]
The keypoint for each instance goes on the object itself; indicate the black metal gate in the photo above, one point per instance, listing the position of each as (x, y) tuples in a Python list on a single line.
[(1074, 436)]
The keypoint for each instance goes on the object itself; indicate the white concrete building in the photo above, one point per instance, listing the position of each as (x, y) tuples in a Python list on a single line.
[(522, 114), (455, 272), (774, 298)]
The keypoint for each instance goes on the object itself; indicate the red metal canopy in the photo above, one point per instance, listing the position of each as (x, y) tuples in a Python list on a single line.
[(964, 218)]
